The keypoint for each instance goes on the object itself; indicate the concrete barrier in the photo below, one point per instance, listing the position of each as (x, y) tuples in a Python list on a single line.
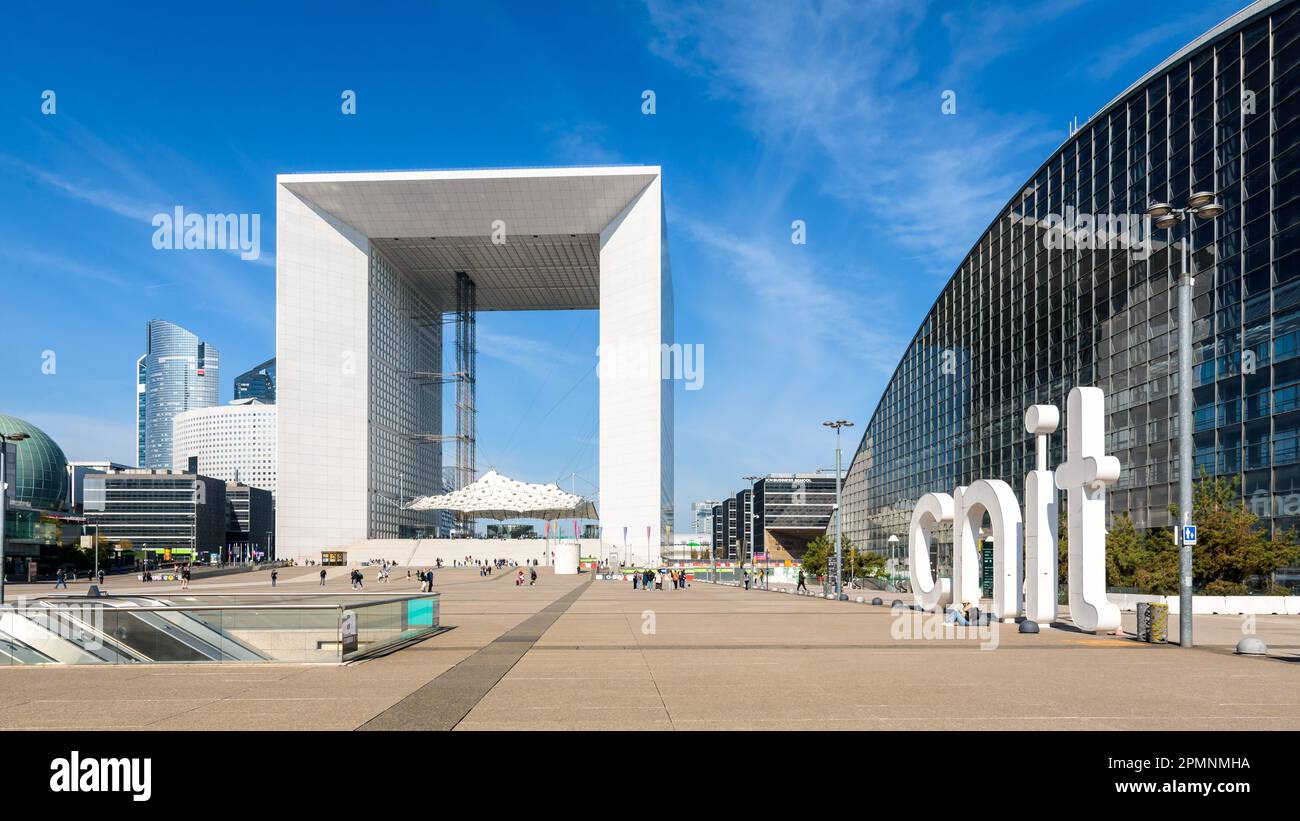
[(1215, 605), (1260, 605)]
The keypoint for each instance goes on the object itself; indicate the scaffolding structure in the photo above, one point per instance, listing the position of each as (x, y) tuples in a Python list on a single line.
[(466, 408), (465, 319)]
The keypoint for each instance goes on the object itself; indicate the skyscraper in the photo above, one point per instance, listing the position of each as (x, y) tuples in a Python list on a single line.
[(141, 404), (177, 373), (257, 383), (702, 516)]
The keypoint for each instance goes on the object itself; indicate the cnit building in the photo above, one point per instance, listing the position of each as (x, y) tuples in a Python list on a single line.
[(1023, 320)]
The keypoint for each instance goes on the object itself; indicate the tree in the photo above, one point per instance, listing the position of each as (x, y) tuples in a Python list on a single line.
[(865, 563), (1125, 551), (1146, 561), (1062, 550), (1232, 550), (815, 556), (1157, 570), (857, 563)]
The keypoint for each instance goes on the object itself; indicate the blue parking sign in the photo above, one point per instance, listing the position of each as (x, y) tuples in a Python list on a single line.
[(1189, 534)]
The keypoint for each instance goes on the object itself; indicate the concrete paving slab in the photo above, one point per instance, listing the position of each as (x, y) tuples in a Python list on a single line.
[(572, 653)]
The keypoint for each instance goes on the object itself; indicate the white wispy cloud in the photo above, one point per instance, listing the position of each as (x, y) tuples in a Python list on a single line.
[(980, 34), (106, 199), (114, 181), (794, 295), (47, 261), (842, 79), (536, 356), (581, 143), (1172, 34)]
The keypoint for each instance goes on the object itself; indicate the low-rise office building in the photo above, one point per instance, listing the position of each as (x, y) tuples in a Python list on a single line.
[(792, 509), (250, 522), (77, 473), (158, 514), (776, 518)]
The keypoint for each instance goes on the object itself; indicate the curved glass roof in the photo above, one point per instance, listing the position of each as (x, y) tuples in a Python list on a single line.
[(42, 467)]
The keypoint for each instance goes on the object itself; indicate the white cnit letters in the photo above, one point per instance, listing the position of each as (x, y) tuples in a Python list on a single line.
[(1024, 554)]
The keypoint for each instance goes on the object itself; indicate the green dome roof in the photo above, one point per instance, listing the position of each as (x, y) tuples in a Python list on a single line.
[(42, 467)]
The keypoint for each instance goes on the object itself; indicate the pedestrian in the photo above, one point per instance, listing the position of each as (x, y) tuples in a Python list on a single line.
[(61, 579), (636, 578), (746, 577), (322, 577), (185, 579), (101, 578), (802, 585), (532, 576), (275, 574), (519, 579)]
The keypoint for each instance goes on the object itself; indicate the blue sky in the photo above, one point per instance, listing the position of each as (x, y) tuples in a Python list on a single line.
[(766, 113)]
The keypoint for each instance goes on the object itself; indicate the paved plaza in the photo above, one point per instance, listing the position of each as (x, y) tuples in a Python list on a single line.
[(578, 653)]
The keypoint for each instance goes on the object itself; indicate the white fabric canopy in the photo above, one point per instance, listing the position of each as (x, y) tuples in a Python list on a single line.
[(499, 497)]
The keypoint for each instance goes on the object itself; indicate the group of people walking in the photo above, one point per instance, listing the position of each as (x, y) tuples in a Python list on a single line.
[(646, 578), (532, 577)]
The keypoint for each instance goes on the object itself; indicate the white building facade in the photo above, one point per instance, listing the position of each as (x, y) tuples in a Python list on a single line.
[(234, 443), (367, 264)]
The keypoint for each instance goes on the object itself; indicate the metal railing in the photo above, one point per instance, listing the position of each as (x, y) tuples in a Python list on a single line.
[(326, 628)]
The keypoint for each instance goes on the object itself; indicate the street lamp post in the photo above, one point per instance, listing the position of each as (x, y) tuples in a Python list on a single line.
[(893, 550), (751, 519), (839, 516), (1201, 204), (5, 439)]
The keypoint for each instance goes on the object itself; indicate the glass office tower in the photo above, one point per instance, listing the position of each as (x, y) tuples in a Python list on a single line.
[(1024, 319), (257, 383), (702, 517), (180, 373), (141, 408)]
